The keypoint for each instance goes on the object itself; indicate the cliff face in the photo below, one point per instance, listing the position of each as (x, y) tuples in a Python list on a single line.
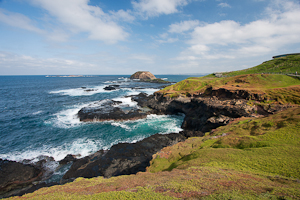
[(142, 75)]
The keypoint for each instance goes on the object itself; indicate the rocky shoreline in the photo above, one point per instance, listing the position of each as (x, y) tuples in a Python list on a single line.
[(202, 114)]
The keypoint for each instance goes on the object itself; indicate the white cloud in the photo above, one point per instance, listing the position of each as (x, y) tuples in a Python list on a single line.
[(142, 57), (199, 49), (18, 20), (280, 28), (168, 40), (122, 15), (183, 26), (78, 16), (224, 5), (24, 64), (157, 7)]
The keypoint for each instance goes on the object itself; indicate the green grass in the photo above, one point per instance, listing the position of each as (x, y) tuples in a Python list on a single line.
[(287, 65), (281, 88), (263, 146)]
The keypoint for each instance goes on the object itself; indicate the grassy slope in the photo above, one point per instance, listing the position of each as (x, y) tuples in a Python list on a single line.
[(250, 79), (278, 87), (288, 64), (255, 159)]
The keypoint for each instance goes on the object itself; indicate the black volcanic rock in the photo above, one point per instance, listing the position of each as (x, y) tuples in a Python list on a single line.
[(90, 90), (15, 175), (109, 88), (107, 110), (67, 159), (123, 158)]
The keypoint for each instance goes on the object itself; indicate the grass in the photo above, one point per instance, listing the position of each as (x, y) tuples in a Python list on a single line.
[(266, 145), (281, 88), (288, 65)]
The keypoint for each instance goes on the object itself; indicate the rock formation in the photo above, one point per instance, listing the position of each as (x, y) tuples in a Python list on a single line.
[(106, 110), (142, 75), (15, 175), (122, 158)]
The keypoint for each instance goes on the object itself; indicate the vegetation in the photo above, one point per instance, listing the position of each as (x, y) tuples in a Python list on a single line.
[(286, 65), (254, 80), (281, 88)]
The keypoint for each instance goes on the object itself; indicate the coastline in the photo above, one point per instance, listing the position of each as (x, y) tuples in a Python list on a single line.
[(117, 161)]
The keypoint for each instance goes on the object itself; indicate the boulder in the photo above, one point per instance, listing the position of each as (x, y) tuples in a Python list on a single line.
[(143, 75)]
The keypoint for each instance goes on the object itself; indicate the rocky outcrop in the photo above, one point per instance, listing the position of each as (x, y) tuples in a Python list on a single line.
[(206, 113), (111, 87), (123, 158), (14, 175), (142, 75), (106, 110)]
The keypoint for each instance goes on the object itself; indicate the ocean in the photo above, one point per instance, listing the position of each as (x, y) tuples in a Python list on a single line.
[(38, 116)]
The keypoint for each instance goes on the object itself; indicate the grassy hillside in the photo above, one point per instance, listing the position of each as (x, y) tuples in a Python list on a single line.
[(278, 87), (256, 79), (248, 159), (286, 65)]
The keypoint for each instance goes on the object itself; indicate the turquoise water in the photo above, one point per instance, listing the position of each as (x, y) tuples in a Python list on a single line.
[(38, 116)]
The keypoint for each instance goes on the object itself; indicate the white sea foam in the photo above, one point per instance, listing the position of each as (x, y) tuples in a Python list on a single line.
[(124, 79), (36, 113), (126, 101), (162, 123), (82, 91), (81, 147), (66, 118), (110, 82), (122, 125)]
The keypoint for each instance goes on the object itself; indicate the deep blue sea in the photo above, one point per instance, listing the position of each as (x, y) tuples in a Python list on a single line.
[(38, 115)]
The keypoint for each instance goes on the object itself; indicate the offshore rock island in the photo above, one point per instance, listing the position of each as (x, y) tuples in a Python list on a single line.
[(240, 140)]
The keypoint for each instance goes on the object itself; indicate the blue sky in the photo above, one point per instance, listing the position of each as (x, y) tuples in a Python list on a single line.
[(48, 37)]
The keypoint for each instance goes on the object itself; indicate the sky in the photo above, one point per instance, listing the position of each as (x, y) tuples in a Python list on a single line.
[(120, 37)]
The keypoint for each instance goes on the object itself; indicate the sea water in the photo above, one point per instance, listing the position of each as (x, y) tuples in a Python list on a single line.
[(38, 115)]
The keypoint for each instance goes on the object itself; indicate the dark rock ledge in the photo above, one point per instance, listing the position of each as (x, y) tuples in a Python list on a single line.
[(122, 158)]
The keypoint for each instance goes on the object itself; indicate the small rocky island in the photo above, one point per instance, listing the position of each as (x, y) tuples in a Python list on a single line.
[(146, 76), (143, 75)]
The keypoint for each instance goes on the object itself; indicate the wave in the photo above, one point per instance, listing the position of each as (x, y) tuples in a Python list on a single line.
[(80, 147), (66, 118), (81, 91), (162, 123), (38, 112)]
